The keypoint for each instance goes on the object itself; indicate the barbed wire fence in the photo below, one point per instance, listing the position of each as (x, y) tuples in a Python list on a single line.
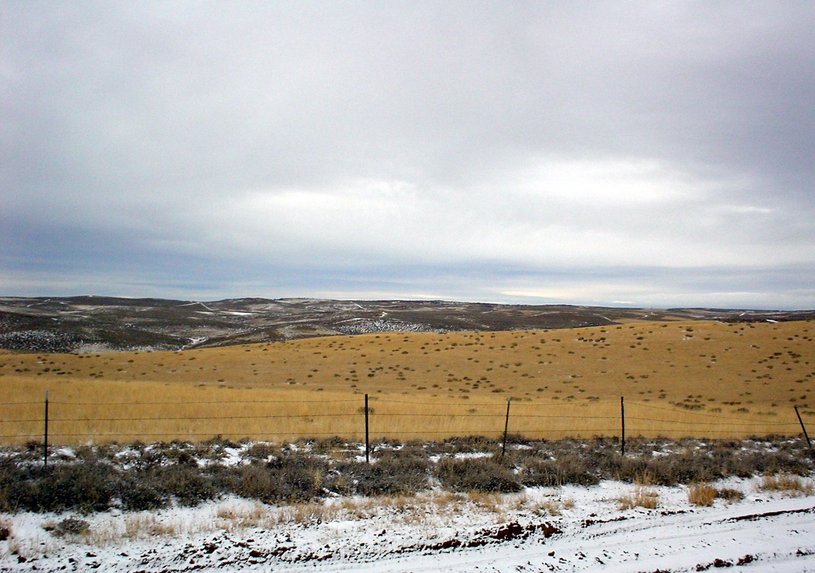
[(61, 421)]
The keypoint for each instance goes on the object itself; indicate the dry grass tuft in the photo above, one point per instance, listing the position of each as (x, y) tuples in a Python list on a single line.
[(702, 494), (552, 506), (645, 478), (132, 526), (547, 507), (640, 497), (787, 483), (492, 502), (306, 513), (730, 495), (143, 525), (231, 516)]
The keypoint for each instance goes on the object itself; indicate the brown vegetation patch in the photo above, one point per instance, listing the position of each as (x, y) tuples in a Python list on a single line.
[(679, 378)]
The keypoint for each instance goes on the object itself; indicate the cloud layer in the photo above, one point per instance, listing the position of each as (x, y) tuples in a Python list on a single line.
[(644, 153)]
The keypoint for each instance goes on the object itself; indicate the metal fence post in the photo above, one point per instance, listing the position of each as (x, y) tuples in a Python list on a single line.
[(506, 430), (45, 434), (803, 427), (622, 429), (367, 440)]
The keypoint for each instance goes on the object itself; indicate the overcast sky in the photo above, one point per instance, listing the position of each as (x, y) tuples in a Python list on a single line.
[(638, 153)]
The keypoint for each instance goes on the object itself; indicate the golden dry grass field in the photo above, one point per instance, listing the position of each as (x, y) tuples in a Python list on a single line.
[(682, 378)]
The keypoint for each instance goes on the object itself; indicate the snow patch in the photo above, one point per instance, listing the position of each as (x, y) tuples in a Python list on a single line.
[(540, 529)]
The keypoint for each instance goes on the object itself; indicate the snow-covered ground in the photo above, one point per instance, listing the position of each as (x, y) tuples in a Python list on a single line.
[(540, 529)]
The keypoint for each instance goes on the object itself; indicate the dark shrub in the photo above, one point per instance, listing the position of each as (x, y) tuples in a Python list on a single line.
[(140, 491), (327, 445), (566, 470), (301, 477), (15, 487), (476, 475), (290, 478), (86, 454), (730, 494), (464, 444), (177, 452), (155, 487), (71, 526), (187, 484), (220, 442), (670, 469), (185, 458), (255, 481), (261, 451), (82, 487), (145, 458), (746, 464), (33, 447), (390, 475), (221, 478)]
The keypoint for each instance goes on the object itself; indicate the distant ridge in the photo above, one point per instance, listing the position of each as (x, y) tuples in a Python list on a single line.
[(88, 322)]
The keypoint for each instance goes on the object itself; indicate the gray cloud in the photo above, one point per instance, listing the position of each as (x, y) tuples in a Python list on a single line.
[(657, 153)]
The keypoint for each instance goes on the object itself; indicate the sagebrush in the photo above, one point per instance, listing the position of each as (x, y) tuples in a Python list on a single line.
[(144, 477)]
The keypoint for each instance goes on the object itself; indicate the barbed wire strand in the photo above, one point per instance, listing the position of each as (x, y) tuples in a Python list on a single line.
[(211, 402)]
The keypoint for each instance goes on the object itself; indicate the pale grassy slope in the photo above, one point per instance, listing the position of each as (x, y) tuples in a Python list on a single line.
[(678, 378)]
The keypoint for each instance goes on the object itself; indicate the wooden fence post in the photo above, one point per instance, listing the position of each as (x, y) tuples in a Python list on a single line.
[(45, 434), (367, 441), (506, 430), (622, 428), (803, 427)]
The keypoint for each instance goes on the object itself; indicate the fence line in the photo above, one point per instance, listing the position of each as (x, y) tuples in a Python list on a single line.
[(384, 418), (196, 402), (685, 411), (697, 423)]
